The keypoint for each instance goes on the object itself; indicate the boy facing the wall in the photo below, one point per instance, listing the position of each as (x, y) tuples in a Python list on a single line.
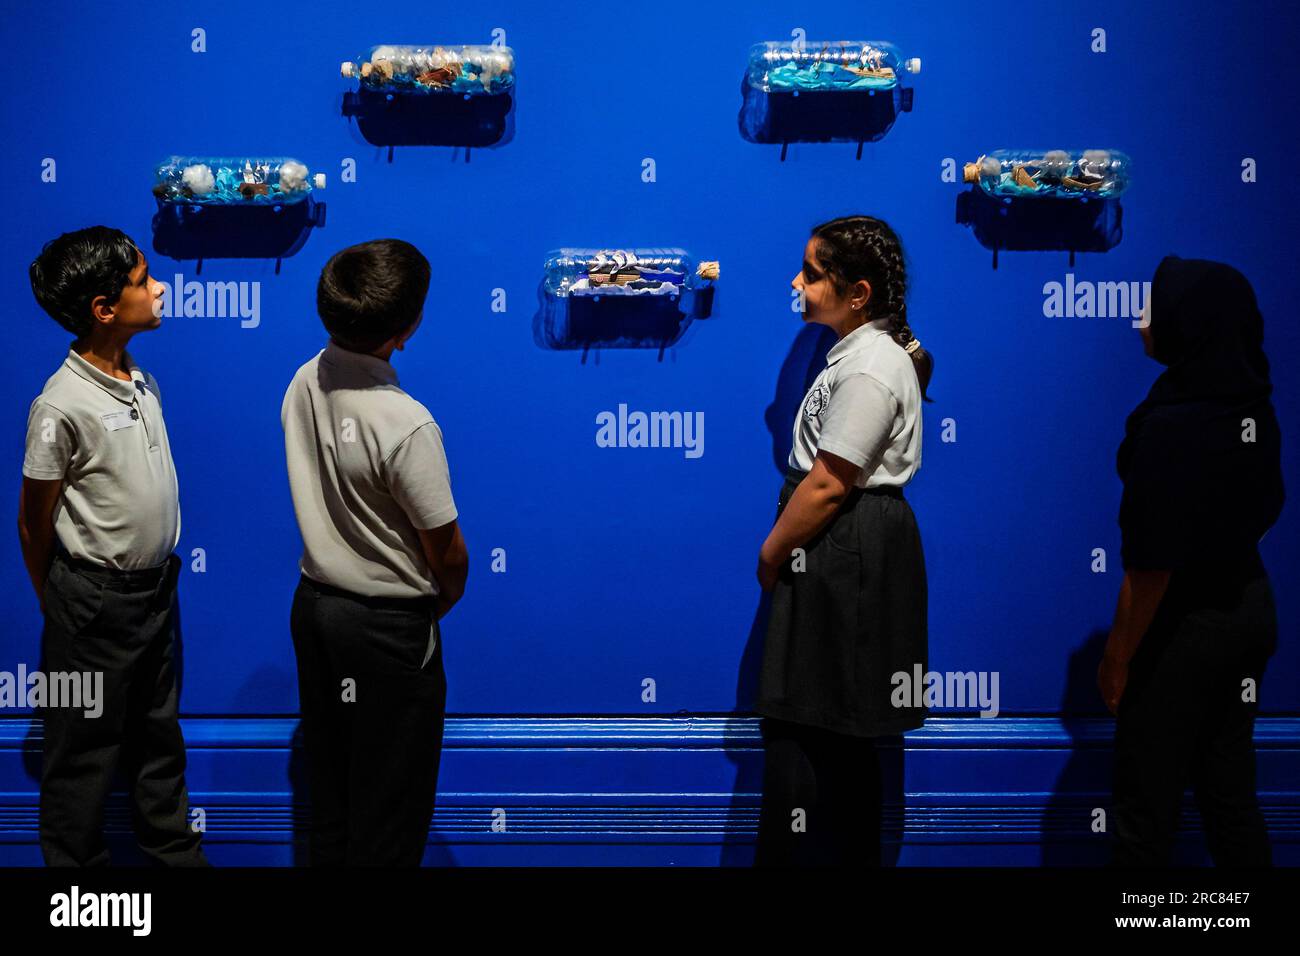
[(383, 559)]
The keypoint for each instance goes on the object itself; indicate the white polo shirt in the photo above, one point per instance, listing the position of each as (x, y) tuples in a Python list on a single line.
[(865, 407), (106, 440), (366, 469)]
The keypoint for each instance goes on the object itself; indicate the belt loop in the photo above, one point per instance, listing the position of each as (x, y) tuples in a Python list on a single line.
[(170, 574)]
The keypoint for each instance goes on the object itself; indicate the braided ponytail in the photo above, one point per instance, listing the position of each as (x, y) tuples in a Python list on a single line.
[(853, 248)]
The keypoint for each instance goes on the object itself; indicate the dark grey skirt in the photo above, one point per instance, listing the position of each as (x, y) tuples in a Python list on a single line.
[(855, 616)]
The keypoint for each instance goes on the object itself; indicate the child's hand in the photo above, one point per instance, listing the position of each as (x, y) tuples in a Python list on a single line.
[(769, 569), (1112, 678)]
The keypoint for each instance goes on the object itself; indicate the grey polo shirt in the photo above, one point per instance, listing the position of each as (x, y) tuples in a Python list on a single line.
[(366, 469), (865, 407), (105, 439)]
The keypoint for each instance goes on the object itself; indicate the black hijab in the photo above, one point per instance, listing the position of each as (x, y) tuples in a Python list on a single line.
[(1196, 491)]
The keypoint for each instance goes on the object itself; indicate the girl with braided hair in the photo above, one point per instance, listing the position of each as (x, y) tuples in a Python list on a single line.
[(844, 561)]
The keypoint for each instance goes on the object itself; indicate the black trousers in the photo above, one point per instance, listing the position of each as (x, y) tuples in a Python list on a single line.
[(822, 796), (1182, 720), (121, 625), (372, 723)]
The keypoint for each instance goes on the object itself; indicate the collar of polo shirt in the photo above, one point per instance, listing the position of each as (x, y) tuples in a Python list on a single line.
[(123, 391), (379, 369), (856, 339)]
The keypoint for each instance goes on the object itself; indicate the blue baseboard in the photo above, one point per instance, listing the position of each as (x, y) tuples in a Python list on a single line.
[(680, 790)]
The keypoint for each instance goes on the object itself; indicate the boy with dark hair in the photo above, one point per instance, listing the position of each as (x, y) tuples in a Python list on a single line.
[(98, 519), (383, 559)]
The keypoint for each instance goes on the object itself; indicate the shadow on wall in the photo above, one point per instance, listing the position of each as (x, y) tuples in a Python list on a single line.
[(806, 358), (298, 797), (819, 116), (585, 322), (276, 231), (1084, 781), (1033, 224), (428, 119)]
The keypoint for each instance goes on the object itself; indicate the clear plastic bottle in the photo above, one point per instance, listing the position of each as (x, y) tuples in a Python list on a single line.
[(229, 181), (474, 70), (781, 66), (631, 272), (1056, 172)]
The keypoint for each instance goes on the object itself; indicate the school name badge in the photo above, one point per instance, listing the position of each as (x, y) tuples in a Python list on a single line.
[(114, 421), (817, 401)]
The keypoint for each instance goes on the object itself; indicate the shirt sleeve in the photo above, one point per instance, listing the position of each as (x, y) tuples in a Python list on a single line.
[(859, 419), (418, 479), (51, 443)]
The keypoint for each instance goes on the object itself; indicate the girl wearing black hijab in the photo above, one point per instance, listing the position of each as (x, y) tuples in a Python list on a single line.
[(1195, 624)]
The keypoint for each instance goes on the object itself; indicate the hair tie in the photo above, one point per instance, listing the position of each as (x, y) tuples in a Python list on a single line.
[(912, 346)]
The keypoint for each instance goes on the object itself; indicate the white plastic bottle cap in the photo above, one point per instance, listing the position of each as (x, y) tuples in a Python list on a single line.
[(318, 180), (348, 69), (913, 65)]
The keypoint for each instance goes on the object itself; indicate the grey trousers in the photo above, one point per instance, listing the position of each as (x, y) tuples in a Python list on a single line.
[(121, 625)]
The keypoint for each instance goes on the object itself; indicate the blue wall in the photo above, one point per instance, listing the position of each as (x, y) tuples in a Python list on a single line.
[(630, 564)]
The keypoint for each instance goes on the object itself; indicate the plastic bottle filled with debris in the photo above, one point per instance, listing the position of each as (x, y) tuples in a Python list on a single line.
[(777, 66), (228, 181), (625, 272), (1055, 172), (474, 70)]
